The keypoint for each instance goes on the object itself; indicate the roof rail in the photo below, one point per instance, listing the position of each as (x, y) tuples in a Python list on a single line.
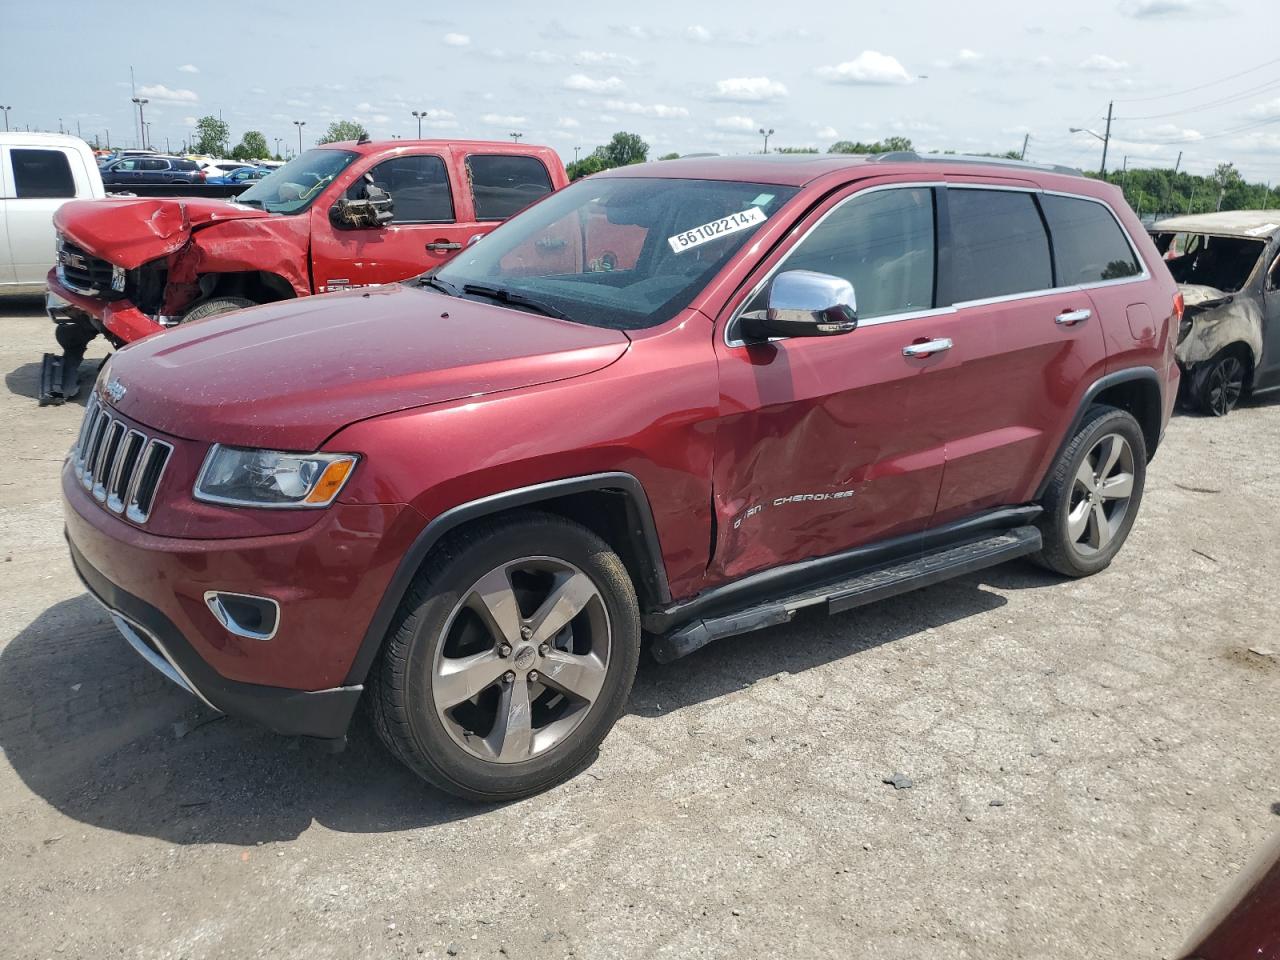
[(903, 155)]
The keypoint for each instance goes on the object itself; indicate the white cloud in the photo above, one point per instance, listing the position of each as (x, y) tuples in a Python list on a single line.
[(1100, 61), (503, 120), (1266, 110), (188, 121), (1164, 131), (188, 68), (660, 110), (296, 103), (365, 107), (457, 40), (869, 67), (698, 34), (567, 123), (580, 81), (827, 133), (736, 123), (749, 90), (162, 94), (637, 33), (603, 58), (544, 56), (1155, 9)]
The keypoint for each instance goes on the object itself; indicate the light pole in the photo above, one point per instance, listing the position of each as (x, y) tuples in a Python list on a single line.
[(277, 139), (6, 116), (575, 153), (766, 134), (516, 136), (147, 133), (1105, 138), (299, 124), (420, 115), (142, 127)]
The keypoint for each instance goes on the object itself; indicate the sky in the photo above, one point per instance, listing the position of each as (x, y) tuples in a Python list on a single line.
[(1197, 76)]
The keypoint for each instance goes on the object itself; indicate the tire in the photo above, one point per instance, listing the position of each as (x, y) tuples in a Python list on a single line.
[(1075, 494), (478, 748), (1218, 384), (211, 308)]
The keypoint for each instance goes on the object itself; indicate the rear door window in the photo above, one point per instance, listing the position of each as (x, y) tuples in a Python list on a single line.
[(1088, 244), (153, 164), (502, 186), (41, 174), (419, 188), (998, 246)]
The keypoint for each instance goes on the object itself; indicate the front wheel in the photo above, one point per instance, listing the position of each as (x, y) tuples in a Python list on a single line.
[(510, 659), (1094, 493), (215, 306)]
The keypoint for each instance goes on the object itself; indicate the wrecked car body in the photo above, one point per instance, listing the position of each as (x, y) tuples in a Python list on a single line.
[(1227, 266)]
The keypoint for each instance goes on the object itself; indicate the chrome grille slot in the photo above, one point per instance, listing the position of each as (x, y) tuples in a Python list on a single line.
[(119, 465), (152, 463), (85, 273)]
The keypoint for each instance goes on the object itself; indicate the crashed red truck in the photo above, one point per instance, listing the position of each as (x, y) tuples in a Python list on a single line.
[(338, 216)]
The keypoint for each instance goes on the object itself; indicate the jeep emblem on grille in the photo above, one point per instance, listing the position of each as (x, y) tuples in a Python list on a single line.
[(116, 390)]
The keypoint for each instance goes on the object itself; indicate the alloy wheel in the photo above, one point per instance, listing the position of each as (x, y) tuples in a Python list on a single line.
[(1100, 494), (1226, 383), (524, 657)]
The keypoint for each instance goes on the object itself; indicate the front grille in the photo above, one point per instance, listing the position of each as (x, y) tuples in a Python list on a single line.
[(119, 465), (83, 272)]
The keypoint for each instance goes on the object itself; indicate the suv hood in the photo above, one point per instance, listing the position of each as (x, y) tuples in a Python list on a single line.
[(287, 375), (130, 233)]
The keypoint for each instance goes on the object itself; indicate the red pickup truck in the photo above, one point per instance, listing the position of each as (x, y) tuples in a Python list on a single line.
[(340, 215)]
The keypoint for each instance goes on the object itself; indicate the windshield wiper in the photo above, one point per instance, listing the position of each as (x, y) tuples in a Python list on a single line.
[(437, 284), (248, 203), (515, 300)]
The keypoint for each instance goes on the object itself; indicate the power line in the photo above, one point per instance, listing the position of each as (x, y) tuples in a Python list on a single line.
[(1211, 83), (1210, 136), (1231, 98)]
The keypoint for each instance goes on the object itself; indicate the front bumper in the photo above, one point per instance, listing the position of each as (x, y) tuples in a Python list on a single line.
[(119, 319)]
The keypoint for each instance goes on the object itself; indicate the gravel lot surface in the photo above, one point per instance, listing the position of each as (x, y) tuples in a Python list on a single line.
[(1091, 763)]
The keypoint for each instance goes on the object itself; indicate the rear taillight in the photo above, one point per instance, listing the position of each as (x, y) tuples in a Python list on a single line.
[(1180, 313), (1179, 305), (200, 174)]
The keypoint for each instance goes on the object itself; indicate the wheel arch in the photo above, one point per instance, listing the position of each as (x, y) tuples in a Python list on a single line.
[(260, 286), (1136, 390), (612, 505)]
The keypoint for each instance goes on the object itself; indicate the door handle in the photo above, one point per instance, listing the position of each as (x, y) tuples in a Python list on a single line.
[(443, 245), (1072, 317), (928, 348)]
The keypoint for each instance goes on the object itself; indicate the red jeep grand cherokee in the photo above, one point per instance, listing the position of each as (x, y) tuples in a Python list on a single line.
[(687, 399)]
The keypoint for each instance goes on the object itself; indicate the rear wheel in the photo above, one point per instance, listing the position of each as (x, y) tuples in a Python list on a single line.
[(1217, 384), (215, 306), (511, 658), (1094, 494)]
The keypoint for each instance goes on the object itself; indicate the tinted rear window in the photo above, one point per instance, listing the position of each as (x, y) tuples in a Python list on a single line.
[(998, 245), (184, 164), (42, 174), (1088, 244), (502, 185)]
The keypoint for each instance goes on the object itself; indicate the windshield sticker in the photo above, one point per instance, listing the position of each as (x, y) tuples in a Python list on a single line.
[(1259, 231), (762, 200), (716, 229)]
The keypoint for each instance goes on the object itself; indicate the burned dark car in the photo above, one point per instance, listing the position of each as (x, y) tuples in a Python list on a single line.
[(1227, 266)]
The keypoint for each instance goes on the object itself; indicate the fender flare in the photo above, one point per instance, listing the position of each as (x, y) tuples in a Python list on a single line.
[(1102, 383), (639, 521)]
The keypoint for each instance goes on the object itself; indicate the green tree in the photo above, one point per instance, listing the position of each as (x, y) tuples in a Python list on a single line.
[(586, 166), (211, 136), (888, 145), (624, 149), (344, 130), (252, 146), (670, 156), (795, 149)]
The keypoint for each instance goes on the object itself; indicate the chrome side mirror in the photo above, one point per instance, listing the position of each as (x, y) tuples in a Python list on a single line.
[(802, 303)]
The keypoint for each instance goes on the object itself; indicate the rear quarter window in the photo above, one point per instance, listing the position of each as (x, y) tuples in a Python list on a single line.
[(502, 186), (1088, 244), (41, 174), (998, 245)]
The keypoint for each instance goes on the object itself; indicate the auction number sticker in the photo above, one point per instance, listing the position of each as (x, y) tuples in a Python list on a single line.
[(716, 229)]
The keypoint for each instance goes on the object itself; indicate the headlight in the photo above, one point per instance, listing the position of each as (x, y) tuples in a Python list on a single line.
[(272, 478)]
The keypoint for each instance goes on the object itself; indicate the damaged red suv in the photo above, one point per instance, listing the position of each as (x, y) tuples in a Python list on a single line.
[(684, 400)]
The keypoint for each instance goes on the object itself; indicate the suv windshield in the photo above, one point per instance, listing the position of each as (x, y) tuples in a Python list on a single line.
[(294, 187), (1222, 262), (615, 252)]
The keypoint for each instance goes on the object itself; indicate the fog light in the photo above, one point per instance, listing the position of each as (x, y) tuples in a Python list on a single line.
[(256, 618), (117, 278)]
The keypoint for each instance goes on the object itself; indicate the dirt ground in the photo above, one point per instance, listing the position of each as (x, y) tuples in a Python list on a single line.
[(1092, 762)]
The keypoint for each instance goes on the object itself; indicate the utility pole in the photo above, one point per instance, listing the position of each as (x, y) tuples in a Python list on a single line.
[(300, 124), (6, 116), (166, 145), (1106, 138), (142, 129), (419, 114), (766, 134), (278, 154), (1192, 201), (147, 125), (516, 136), (1025, 140)]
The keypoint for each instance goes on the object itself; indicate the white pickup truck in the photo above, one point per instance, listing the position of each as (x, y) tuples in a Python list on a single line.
[(39, 172)]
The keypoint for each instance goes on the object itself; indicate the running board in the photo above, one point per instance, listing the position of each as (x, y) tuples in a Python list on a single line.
[(922, 570)]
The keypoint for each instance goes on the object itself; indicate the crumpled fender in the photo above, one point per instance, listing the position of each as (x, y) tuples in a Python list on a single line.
[(1237, 321)]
